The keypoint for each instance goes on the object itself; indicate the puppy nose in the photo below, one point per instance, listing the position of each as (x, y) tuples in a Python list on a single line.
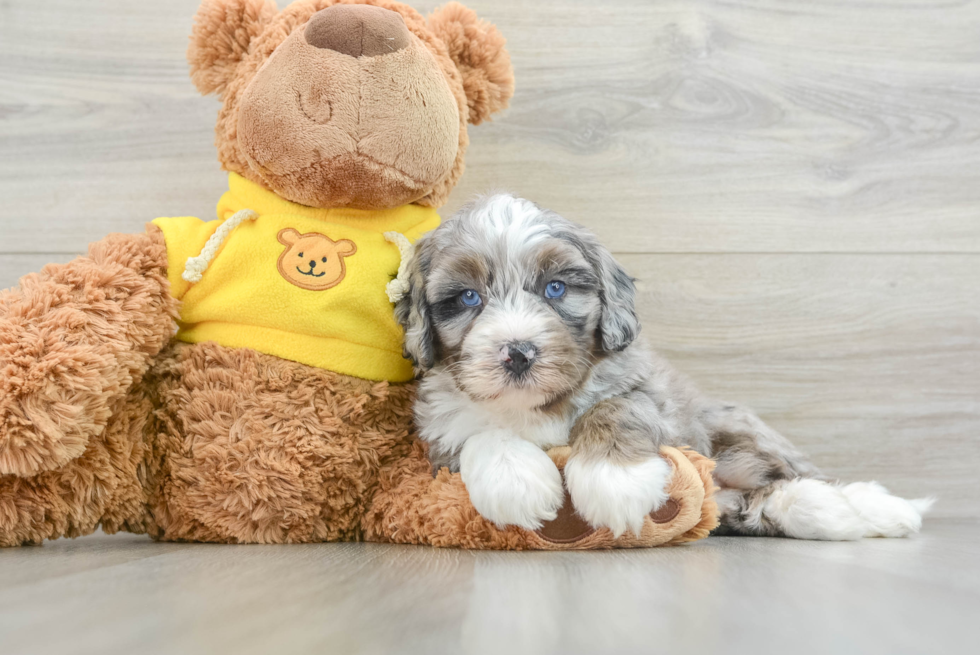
[(357, 30), (518, 357)]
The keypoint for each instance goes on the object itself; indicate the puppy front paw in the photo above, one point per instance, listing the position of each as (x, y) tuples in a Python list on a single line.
[(513, 485), (617, 496)]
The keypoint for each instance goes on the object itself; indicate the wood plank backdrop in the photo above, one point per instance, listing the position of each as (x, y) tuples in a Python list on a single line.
[(795, 184)]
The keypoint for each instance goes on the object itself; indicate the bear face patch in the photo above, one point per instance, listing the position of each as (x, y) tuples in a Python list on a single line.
[(313, 261)]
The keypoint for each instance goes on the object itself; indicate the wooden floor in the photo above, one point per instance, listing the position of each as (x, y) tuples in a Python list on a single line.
[(125, 594)]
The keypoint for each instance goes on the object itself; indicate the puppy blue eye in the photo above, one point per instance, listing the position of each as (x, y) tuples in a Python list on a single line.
[(555, 289), (470, 298)]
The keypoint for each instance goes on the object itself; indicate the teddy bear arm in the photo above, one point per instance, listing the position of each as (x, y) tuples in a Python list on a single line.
[(413, 506), (74, 338)]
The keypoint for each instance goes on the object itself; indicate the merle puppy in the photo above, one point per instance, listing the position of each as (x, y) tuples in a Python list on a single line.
[(524, 331)]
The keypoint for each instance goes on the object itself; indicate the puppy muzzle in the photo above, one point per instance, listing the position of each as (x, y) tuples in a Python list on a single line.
[(517, 357)]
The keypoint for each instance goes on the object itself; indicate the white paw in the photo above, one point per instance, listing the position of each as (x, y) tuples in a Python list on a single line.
[(617, 496), (511, 481), (811, 509), (886, 515)]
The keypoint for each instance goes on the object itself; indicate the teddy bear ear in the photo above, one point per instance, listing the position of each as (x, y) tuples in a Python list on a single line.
[(288, 236), (478, 50), (346, 247), (223, 31)]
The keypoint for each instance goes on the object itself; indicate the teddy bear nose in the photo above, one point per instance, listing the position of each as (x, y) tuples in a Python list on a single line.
[(357, 30)]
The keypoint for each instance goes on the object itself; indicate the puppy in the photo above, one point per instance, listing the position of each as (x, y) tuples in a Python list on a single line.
[(523, 329)]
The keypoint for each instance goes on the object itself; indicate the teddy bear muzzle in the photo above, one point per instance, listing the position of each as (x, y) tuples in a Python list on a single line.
[(357, 30)]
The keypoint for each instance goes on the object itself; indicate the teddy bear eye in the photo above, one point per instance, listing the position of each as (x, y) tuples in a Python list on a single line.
[(301, 254), (324, 260)]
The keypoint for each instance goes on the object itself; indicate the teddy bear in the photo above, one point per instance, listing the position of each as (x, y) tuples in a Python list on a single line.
[(242, 380)]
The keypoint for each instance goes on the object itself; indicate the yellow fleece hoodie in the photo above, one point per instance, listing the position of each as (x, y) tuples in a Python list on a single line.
[(296, 282)]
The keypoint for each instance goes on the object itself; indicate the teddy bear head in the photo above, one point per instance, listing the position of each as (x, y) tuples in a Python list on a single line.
[(348, 103)]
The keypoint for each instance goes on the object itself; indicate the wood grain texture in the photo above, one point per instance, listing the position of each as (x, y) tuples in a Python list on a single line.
[(794, 183), (871, 363), (15, 266), (124, 594), (669, 126), (683, 126)]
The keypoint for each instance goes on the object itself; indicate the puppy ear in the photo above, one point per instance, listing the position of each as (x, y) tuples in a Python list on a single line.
[(478, 50), (618, 325), (223, 31), (412, 310)]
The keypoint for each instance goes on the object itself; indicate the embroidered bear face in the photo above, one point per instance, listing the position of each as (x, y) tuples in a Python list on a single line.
[(313, 261)]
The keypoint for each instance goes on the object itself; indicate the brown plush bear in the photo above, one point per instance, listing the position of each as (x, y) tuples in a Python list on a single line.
[(242, 380)]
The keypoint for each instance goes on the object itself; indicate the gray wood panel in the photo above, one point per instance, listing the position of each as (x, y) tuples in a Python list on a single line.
[(689, 133), (670, 126), (871, 363), (15, 266), (770, 125), (109, 595)]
